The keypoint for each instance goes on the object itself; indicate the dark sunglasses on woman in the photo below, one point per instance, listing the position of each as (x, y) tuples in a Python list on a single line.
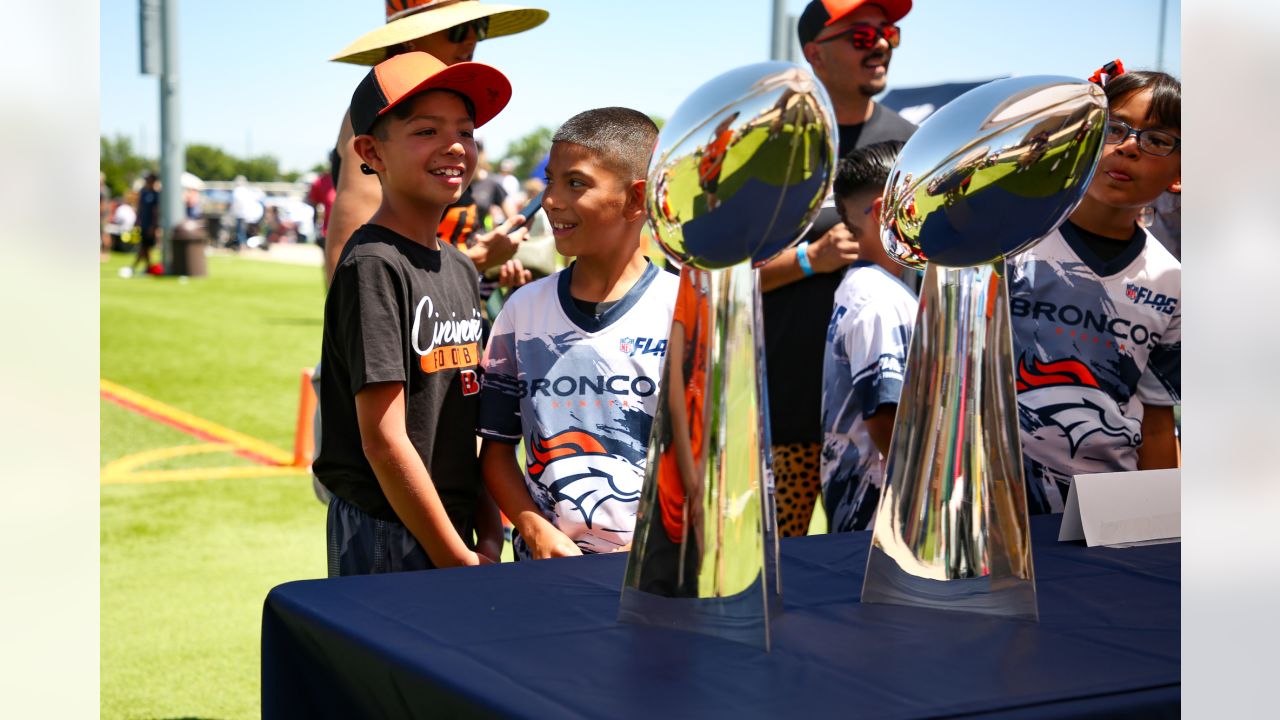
[(458, 33)]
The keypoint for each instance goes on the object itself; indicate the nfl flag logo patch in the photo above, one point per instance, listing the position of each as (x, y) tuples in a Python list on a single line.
[(1131, 292), (626, 345)]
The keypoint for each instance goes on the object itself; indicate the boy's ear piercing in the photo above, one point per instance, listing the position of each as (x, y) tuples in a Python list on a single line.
[(364, 168)]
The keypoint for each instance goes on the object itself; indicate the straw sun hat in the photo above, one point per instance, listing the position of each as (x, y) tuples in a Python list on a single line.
[(411, 19)]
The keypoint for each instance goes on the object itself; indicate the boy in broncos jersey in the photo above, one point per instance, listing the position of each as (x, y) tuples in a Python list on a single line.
[(401, 348), (574, 360), (1096, 312), (866, 352)]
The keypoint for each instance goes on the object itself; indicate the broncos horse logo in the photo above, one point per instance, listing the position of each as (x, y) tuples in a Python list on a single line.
[(1066, 394), (587, 477)]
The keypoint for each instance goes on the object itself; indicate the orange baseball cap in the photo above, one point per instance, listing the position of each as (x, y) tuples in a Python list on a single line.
[(392, 81), (821, 13)]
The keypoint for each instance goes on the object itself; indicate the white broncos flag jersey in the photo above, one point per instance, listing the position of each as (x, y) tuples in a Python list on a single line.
[(1092, 341)]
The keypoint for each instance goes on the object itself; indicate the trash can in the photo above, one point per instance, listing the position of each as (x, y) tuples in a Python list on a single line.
[(189, 241)]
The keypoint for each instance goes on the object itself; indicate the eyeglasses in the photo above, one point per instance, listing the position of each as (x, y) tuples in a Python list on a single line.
[(1151, 142), (458, 33), (863, 36)]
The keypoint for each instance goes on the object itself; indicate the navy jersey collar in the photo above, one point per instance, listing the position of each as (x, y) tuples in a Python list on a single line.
[(1103, 268), (611, 315)]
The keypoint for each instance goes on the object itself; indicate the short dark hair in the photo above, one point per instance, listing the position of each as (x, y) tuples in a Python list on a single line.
[(866, 168), (401, 110), (622, 137), (1166, 94)]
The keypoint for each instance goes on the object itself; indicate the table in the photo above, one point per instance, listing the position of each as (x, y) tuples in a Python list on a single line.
[(540, 639)]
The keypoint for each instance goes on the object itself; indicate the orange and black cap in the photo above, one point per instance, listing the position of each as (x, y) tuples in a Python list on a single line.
[(818, 14), (392, 81)]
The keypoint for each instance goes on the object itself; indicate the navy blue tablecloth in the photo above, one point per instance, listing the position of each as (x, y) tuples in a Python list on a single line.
[(540, 640)]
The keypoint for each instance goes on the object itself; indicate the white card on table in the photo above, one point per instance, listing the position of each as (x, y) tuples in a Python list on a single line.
[(1124, 507)]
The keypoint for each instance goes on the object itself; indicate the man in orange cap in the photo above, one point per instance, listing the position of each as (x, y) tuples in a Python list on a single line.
[(849, 44), (448, 30)]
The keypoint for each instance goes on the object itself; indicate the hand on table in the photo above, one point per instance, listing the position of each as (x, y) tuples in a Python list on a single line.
[(550, 542)]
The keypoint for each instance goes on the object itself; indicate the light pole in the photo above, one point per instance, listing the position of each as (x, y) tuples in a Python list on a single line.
[(172, 162)]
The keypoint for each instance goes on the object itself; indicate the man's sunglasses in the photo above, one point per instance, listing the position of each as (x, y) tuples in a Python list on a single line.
[(458, 33), (863, 36)]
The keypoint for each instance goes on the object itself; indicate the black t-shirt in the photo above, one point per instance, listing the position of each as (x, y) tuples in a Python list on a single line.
[(884, 124), (148, 208), (796, 315), (485, 193), (400, 312)]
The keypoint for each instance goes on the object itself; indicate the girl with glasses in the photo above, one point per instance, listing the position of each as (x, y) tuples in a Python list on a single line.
[(1096, 309)]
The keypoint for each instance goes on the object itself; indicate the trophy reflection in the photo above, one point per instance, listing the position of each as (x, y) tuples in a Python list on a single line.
[(739, 173), (984, 178)]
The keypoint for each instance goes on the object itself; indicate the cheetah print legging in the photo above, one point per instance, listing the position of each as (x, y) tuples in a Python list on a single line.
[(797, 481)]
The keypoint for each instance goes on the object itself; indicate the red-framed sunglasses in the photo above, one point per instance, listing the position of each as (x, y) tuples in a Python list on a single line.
[(863, 36)]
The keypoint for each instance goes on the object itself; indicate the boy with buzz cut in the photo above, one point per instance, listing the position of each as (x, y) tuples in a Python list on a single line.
[(402, 333), (1095, 309), (574, 362), (867, 340)]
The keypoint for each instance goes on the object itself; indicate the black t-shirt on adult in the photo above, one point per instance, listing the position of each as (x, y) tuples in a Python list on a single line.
[(400, 312), (796, 315), (148, 208)]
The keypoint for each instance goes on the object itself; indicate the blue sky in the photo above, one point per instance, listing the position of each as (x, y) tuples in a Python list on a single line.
[(255, 79)]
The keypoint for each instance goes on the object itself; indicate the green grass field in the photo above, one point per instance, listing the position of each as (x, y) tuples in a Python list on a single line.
[(186, 565)]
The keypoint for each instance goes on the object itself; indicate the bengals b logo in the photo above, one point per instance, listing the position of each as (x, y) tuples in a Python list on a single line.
[(470, 383)]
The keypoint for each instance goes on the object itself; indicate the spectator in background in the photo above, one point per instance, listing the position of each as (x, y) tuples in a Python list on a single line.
[(320, 198), (849, 44), (148, 221), (488, 195), (104, 216), (448, 31), (191, 198), (123, 218), (867, 340), (246, 209), (507, 176)]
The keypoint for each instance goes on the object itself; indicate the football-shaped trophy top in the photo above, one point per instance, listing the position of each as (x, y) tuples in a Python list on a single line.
[(993, 171), (742, 166)]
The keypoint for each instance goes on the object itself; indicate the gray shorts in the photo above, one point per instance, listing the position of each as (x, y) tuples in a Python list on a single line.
[(360, 544)]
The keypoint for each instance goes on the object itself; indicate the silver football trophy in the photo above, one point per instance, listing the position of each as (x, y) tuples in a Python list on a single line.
[(739, 173), (984, 178)]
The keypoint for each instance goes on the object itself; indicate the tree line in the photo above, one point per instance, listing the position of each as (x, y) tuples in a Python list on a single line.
[(121, 164)]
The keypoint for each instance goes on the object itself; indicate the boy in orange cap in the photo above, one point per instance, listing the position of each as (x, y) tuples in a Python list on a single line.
[(402, 333)]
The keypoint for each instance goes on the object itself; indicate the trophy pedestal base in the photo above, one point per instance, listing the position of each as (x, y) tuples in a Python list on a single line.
[(735, 617), (889, 584)]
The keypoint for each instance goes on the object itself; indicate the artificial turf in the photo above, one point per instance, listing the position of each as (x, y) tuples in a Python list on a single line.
[(186, 565)]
